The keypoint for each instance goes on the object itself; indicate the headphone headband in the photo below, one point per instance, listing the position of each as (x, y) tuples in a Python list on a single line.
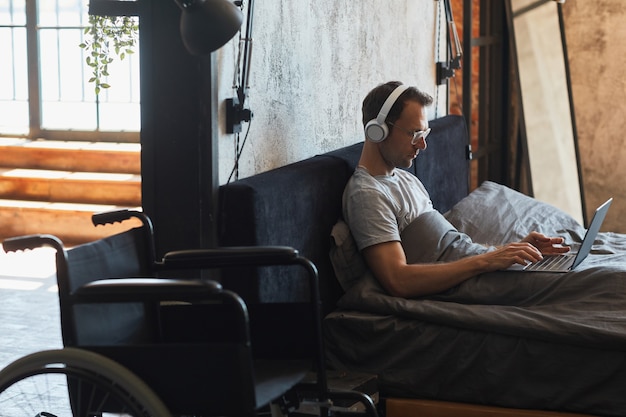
[(391, 100), (376, 129)]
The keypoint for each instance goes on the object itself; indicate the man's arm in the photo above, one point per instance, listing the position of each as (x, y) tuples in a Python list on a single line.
[(388, 264)]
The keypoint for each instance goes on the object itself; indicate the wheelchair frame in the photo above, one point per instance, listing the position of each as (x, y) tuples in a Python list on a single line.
[(131, 393)]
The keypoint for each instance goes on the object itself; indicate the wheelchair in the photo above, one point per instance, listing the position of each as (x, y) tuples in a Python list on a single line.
[(140, 341)]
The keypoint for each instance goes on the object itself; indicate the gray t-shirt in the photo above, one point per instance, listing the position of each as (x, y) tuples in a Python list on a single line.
[(378, 208)]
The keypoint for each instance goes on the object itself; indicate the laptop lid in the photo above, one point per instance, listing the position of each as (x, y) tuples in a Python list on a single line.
[(570, 260), (592, 232)]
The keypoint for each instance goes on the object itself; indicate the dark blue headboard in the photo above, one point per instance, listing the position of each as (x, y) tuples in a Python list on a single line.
[(297, 205)]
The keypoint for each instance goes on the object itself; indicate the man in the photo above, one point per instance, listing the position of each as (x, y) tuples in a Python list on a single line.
[(380, 201)]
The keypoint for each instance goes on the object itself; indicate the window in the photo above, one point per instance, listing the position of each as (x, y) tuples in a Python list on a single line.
[(44, 88)]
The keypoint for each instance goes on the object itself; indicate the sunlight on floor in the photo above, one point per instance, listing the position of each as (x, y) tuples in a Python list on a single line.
[(13, 284), (27, 270)]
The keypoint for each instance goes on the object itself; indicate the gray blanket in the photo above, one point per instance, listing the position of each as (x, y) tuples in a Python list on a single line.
[(584, 307)]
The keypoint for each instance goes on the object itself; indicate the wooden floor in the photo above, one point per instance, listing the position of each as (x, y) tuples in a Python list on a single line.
[(397, 407)]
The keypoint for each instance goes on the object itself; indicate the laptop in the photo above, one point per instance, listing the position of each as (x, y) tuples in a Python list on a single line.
[(568, 261)]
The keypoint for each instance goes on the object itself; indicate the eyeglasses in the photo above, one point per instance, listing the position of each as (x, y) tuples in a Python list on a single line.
[(416, 135)]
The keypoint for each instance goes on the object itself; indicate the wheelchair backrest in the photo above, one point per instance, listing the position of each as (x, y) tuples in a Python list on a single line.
[(123, 255)]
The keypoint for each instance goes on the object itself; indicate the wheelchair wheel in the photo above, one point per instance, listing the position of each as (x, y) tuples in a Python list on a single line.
[(77, 383)]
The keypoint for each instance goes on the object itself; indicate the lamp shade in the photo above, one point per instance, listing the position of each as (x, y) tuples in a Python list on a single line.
[(206, 25)]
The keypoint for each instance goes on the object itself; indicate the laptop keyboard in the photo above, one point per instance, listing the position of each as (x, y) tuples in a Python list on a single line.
[(550, 263)]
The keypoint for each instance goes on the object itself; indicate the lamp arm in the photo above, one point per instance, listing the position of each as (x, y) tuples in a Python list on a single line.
[(247, 56), (236, 112), (454, 45), (445, 70)]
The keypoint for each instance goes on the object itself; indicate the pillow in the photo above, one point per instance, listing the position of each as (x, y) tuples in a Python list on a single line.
[(431, 238), (495, 214), (345, 257)]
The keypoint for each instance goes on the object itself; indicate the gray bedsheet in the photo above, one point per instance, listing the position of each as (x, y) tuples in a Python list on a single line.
[(515, 339), (586, 306)]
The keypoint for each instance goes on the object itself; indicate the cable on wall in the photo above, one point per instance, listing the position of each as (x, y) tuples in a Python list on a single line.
[(238, 152), (437, 51), (236, 110)]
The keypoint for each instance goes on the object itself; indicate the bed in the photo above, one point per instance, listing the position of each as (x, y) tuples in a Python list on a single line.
[(525, 340), (510, 340)]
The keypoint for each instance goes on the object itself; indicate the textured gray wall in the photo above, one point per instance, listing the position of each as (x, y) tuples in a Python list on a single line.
[(595, 33), (313, 61)]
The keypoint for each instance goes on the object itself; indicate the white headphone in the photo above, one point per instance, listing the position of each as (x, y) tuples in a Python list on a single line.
[(376, 129)]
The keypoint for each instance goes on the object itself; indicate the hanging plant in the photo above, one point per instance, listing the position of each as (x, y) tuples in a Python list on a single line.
[(107, 37)]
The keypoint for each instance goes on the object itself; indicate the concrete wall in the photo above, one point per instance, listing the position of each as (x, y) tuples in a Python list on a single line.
[(595, 33), (313, 61)]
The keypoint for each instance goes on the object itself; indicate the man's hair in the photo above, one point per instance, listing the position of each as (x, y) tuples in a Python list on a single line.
[(376, 98)]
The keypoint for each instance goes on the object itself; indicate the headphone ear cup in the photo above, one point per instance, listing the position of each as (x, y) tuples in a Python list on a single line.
[(376, 129), (376, 132)]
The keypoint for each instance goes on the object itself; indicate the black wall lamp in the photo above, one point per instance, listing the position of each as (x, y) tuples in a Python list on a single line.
[(206, 25)]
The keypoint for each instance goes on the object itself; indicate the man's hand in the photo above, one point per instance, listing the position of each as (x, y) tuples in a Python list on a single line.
[(547, 245), (512, 253), (529, 250)]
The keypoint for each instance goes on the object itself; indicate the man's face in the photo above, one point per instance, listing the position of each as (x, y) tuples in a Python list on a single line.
[(397, 149)]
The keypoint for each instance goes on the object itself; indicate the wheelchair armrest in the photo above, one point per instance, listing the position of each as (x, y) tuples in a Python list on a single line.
[(14, 244), (231, 257), (155, 290), (146, 289)]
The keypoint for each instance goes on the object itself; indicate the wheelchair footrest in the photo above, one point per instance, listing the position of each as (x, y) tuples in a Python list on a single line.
[(338, 381)]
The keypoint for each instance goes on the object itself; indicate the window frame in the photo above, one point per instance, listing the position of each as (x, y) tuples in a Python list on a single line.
[(35, 129)]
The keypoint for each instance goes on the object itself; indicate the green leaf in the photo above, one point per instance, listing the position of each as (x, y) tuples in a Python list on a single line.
[(108, 36)]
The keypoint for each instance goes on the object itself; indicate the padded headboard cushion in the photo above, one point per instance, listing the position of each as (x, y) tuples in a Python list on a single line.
[(298, 204)]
